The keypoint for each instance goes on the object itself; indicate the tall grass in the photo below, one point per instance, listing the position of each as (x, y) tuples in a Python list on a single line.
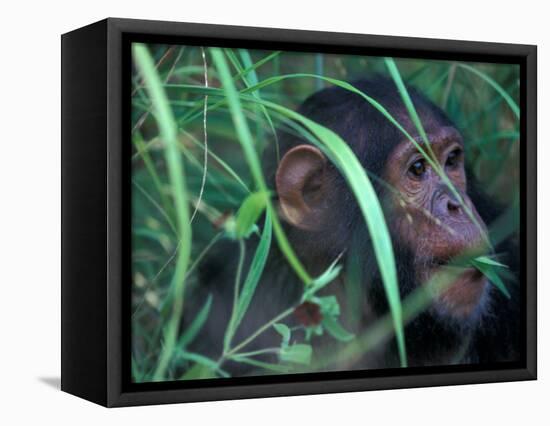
[(169, 134), (252, 159), (214, 167)]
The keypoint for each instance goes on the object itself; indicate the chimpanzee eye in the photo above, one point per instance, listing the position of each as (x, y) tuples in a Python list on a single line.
[(418, 168), (452, 159)]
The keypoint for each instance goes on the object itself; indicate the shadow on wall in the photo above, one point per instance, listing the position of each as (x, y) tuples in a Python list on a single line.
[(54, 382)]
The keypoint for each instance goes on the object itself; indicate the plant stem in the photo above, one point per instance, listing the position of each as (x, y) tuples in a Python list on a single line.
[(259, 331), (247, 144), (259, 352), (168, 130), (230, 328)]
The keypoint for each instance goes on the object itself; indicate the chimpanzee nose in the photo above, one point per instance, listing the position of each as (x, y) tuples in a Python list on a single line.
[(446, 204), (453, 206)]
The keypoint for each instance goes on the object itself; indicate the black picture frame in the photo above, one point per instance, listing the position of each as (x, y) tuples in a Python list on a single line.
[(95, 211)]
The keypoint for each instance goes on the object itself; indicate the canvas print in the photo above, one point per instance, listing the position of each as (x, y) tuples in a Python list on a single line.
[(302, 212)]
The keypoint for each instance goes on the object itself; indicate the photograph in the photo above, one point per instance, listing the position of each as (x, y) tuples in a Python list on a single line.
[(298, 212)]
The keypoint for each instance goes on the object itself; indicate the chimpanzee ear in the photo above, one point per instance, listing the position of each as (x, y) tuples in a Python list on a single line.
[(301, 186)]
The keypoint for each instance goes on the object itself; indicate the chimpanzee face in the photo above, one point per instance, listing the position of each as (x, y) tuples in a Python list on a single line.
[(432, 222), (434, 225)]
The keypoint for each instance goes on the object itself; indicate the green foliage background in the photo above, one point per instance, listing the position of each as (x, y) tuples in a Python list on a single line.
[(201, 119)]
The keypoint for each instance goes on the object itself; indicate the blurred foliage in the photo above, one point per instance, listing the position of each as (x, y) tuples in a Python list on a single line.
[(224, 199)]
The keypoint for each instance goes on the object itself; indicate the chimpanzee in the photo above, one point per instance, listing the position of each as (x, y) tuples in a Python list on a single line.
[(469, 322)]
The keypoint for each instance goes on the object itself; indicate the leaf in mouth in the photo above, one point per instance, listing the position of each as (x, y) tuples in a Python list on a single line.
[(488, 267)]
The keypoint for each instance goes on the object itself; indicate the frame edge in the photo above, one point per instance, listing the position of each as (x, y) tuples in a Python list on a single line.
[(116, 396)]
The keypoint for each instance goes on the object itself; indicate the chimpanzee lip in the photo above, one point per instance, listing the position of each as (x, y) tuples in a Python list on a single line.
[(460, 268), (447, 262), (463, 263), (457, 270)]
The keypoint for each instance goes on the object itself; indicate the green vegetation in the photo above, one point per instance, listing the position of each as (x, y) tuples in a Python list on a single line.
[(201, 120)]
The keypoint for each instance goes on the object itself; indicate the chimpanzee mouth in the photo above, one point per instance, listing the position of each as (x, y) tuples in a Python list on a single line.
[(440, 262), (451, 270), (458, 288), (464, 261)]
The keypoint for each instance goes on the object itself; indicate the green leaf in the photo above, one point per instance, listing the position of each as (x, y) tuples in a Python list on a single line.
[(345, 160), (348, 164), (258, 64), (329, 305), (250, 75), (168, 130), (198, 371), (513, 105), (335, 329), (394, 72), (298, 353), (249, 212), (429, 155), (322, 280), (247, 144), (488, 261), (251, 282), (284, 331), (310, 331), (201, 359), (189, 335), (251, 79), (256, 269), (226, 167), (493, 277)]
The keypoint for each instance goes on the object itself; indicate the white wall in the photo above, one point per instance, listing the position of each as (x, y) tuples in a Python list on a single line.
[(30, 199)]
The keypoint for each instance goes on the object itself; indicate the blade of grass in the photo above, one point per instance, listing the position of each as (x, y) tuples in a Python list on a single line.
[(345, 160), (250, 75), (168, 130), (205, 361), (335, 329), (261, 364), (487, 260), (492, 276), (252, 159), (489, 109), (218, 160), (201, 255), (252, 279), (144, 154), (253, 67), (348, 164), (274, 56), (250, 78), (415, 303), (504, 135), (258, 332), (348, 87), (188, 153), (396, 75), (449, 85), (205, 137), (319, 70), (511, 103), (340, 153), (150, 198), (236, 291), (195, 327)]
